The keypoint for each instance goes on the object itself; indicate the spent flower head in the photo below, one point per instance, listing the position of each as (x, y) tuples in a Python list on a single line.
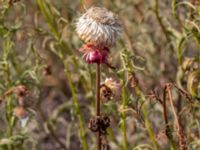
[(98, 26), (113, 85), (99, 29), (110, 89)]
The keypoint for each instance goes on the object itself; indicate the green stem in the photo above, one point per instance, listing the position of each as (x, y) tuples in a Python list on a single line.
[(6, 46), (77, 109), (174, 8), (149, 128), (46, 12), (159, 18), (123, 115), (147, 122)]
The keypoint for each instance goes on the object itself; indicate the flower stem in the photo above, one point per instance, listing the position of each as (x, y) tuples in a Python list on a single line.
[(98, 103)]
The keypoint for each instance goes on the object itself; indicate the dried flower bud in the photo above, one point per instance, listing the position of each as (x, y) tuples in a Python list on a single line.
[(133, 80), (20, 112), (25, 97), (105, 93), (99, 27), (111, 86), (21, 90), (106, 121), (99, 123), (94, 124)]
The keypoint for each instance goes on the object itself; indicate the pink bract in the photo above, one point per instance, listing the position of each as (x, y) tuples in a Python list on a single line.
[(94, 54)]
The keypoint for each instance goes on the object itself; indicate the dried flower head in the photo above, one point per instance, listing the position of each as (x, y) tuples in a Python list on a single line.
[(133, 80), (105, 93), (99, 27), (114, 85), (25, 97), (110, 89), (99, 123), (21, 90)]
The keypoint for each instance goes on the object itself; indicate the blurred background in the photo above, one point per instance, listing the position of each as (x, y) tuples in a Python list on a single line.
[(160, 44)]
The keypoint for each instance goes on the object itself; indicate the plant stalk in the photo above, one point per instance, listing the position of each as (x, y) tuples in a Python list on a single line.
[(179, 129), (98, 103), (124, 101), (165, 116)]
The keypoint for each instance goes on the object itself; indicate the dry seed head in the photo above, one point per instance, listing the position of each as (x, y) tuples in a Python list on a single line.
[(99, 27), (99, 123), (105, 93), (20, 112), (114, 86), (21, 90)]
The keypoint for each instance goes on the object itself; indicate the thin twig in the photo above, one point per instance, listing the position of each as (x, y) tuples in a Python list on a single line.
[(186, 94), (157, 13), (180, 132), (167, 127), (165, 114), (153, 95)]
